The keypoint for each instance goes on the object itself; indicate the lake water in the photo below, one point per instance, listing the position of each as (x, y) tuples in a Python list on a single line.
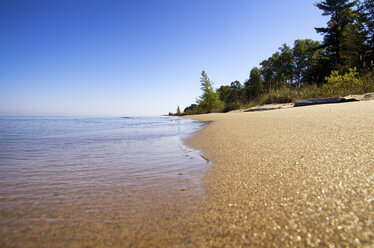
[(68, 181)]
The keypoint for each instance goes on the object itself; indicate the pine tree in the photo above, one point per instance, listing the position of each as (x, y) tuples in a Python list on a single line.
[(342, 39), (366, 14), (209, 100), (179, 111)]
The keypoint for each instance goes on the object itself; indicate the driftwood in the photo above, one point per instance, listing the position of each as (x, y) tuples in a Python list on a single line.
[(261, 109), (326, 100)]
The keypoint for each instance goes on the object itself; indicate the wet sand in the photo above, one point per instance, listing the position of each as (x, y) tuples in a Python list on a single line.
[(296, 177), (291, 177), (129, 186)]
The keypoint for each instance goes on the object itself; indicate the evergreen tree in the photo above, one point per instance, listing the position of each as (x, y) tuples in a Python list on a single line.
[(209, 100), (348, 42), (179, 111), (369, 13), (341, 36), (366, 13)]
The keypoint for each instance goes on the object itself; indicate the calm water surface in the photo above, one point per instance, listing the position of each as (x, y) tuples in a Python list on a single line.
[(67, 181)]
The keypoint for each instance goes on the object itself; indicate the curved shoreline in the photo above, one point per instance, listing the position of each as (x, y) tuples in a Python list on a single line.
[(293, 177), (289, 177)]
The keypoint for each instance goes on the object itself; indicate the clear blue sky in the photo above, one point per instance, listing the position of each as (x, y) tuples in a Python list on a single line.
[(140, 57)]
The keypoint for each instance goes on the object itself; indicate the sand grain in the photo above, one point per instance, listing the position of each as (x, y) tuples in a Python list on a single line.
[(290, 177)]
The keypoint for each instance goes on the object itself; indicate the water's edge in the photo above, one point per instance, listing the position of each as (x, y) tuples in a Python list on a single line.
[(100, 203)]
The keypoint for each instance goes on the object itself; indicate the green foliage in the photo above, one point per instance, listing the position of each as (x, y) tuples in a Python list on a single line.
[(255, 84), (268, 73), (230, 94), (191, 110), (366, 19), (341, 85), (283, 95), (232, 106), (368, 12), (309, 91), (308, 70), (367, 78), (236, 92), (306, 55), (224, 93), (342, 38), (285, 65), (209, 101), (272, 72), (278, 70), (179, 111)]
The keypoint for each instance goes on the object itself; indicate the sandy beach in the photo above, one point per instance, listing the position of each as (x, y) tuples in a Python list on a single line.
[(292, 177)]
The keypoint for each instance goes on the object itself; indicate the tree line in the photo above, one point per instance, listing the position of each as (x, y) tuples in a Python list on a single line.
[(308, 68)]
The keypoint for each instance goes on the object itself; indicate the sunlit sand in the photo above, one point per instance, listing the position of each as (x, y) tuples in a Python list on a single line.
[(290, 177)]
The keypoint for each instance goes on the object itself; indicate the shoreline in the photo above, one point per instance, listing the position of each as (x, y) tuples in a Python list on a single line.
[(134, 188), (288, 177), (292, 177)]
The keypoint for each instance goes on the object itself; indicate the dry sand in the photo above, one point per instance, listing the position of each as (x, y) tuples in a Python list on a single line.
[(289, 177), (293, 177)]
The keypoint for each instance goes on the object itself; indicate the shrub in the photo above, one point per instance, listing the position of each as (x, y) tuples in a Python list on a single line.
[(232, 106), (342, 85), (368, 81), (283, 95), (310, 91)]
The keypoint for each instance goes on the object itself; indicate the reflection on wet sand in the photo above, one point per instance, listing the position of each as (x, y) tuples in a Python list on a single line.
[(133, 186)]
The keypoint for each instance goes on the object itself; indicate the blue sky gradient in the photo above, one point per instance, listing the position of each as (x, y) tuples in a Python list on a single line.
[(90, 57)]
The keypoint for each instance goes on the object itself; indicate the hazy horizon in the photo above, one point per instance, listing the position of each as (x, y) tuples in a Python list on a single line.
[(117, 58)]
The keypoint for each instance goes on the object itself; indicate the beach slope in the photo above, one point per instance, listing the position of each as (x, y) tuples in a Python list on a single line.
[(289, 177)]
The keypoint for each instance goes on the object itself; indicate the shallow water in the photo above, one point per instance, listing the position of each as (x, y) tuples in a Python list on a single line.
[(67, 181)]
